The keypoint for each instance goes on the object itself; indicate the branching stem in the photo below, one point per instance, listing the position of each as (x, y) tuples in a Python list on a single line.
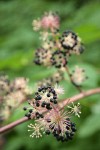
[(61, 104)]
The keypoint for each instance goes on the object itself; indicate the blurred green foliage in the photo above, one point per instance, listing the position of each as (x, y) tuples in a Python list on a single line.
[(17, 45)]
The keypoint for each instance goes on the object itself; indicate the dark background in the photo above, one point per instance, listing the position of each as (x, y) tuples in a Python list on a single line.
[(17, 45)]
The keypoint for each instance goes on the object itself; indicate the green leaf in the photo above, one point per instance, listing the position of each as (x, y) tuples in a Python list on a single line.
[(90, 126)]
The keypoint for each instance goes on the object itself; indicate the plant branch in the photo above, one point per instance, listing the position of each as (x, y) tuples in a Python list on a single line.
[(13, 124), (78, 97), (61, 104)]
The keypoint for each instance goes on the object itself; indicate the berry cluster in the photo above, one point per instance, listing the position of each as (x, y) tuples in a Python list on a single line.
[(71, 43), (55, 48), (49, 117), (59, 59), (42, 57), (69, 132), (56, 123), (60, 125), (44, 98), (68, 40), (58, 52), (51, 94)]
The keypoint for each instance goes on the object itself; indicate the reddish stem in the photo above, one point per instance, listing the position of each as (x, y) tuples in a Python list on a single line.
[(13, 124)]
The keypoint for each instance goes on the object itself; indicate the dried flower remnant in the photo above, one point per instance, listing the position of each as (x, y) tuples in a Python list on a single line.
[(19, 92), (36, 130), (59, 90), (78, 76), (13, 93), (75, 109), (14, 99), (20, 83), (5, 112), (48, 21)]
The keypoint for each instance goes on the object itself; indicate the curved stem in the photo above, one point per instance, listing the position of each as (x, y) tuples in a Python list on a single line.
[(78, 97), (13, 124), (61, 104)]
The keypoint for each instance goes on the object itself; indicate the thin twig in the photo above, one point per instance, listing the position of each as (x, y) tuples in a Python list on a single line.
[(13, 124), (61, 104)]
